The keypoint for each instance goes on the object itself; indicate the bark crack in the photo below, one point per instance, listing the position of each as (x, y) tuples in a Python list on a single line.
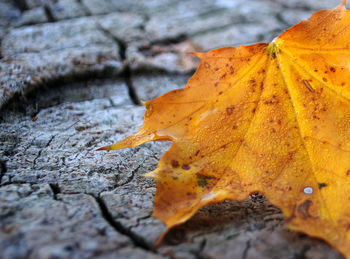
[(1, 49), (132, 176), (41, 150), (84, 7), (55, 190), (3, 169), (137, 241), (246, 249), (126, 74), (21, 5), (198, 253), (49, 14)]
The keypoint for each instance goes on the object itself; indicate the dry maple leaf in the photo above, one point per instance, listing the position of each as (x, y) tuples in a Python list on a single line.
[(268, 118)]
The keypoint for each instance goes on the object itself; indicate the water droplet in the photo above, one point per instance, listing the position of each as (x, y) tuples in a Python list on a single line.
[(308, 190)]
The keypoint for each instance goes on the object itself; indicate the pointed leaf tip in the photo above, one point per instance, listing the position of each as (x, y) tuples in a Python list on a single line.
[(152, 174), (197, 54), (104, 148)]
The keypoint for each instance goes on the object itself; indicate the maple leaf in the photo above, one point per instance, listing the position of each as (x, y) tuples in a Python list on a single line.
[(268, 118)]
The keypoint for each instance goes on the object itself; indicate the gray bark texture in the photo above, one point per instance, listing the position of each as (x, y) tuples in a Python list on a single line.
[(72, 74)]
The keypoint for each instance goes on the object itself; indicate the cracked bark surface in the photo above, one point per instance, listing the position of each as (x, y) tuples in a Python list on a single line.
[(72, 74)]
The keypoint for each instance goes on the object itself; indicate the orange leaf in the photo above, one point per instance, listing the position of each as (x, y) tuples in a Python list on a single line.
[(269, 118)]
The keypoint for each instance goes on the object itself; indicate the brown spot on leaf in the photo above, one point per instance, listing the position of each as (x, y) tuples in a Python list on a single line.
[(322, 185), (269, 102), (332, 69), (186, 167), (191, 195), (229, 110), (303, 209), (201, 180), (174, 163), (308, 86), (231, 70), (347, 227)]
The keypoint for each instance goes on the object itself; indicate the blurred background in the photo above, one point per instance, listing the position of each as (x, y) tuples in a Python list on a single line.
[(72, 74)]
